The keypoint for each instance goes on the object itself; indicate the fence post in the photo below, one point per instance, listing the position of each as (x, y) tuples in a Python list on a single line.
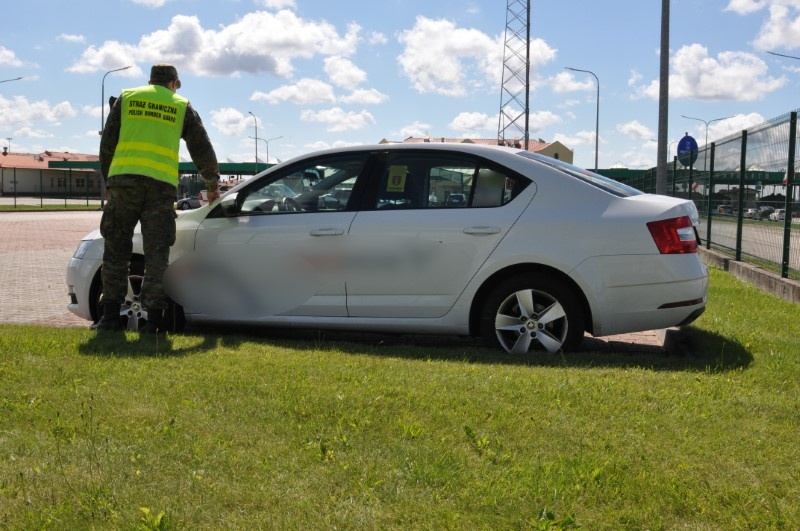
[(710, 194), (740, 214), (674, 173), (787, 218)]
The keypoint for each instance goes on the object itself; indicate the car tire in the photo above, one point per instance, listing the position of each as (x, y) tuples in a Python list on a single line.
[(184, 206), (132, 314), (533, 312)]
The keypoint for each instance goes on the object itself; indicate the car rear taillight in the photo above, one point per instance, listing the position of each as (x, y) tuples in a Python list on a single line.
[(674, 235)]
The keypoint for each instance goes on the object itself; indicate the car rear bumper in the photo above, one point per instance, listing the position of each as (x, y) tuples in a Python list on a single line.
[(637, 293)]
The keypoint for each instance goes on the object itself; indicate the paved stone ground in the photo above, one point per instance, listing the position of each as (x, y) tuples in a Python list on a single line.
[(35, 248)]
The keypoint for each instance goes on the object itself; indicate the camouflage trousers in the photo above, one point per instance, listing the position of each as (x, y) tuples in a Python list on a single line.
[(136, 199)]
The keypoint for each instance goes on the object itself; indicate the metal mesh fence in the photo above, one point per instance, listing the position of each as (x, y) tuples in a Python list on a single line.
[(744, 191)]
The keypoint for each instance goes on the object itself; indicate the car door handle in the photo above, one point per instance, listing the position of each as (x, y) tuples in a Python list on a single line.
[(327, 232), (481, 230)]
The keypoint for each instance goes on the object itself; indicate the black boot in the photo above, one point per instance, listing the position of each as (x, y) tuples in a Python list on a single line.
[(110, 321), (155, 322)]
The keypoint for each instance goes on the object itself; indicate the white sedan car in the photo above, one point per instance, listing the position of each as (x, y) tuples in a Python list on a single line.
[(538, 253)]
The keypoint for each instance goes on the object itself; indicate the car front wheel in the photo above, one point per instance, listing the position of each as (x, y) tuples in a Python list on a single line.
[(533, 312), (132, 313)]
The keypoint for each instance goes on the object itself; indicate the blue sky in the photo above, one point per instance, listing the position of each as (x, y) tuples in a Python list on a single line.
[(319, 74)]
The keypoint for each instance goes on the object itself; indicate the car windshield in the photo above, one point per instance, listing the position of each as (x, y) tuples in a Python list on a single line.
[(312, 186), (599, 181)]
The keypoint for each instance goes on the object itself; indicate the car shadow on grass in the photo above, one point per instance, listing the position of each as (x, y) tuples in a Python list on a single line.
[(693, 350)]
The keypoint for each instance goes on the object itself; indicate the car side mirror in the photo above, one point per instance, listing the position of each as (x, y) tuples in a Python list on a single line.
[(230, 205)]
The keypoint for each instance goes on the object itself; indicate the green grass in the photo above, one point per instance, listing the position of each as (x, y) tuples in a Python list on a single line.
[(238, 431)]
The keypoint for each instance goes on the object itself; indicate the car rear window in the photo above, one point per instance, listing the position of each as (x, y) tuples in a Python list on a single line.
[(598, 181)]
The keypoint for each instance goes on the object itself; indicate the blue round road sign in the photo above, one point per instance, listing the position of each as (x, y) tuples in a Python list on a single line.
[(687, 150)]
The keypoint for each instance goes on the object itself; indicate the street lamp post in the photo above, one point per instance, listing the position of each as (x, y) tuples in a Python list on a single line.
[(267, 141), (707, 122), (255, 124), (597, 117), (103, 97)]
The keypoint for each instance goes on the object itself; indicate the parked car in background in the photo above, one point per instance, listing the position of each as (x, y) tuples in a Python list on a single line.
[(455, 200), (726, 210), (750, 213), (778, 215), (203, 195), (765, 211), (540, 253), (188, 203)]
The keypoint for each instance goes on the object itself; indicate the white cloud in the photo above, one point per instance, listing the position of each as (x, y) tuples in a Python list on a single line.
[(231, 122), (320, 144), (67, 37), (734, 124), (259, 42), (634, 129), (539, 121), (343, 73), (91, 110), (364, 97), (20, 113), (438, 57), (377, 37), (566, 104), (635, 78), (782, 28), (737, 76), (8, 57), (441, 58), (278, 4), (745, 7), (416, 129), (305, 92), (473, 121), (338, 120), (579, 139), (150, 3), (567, 82)]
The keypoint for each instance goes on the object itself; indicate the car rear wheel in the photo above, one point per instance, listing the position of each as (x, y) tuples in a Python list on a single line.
[(533, 312), (185, 205)]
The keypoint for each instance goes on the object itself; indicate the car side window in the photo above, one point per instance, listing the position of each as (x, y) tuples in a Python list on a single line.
[(319, 185), (422, 180)]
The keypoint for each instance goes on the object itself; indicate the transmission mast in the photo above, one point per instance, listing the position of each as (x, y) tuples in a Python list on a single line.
[(515, 90)]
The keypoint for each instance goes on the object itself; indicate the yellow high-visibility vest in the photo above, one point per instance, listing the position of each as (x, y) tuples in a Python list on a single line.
[(150, 133)]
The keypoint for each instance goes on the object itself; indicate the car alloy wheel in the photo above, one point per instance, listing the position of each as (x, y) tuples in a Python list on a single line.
[(533, 312), (132, 313)]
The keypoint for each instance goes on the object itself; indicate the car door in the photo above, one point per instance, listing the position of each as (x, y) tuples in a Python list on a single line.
[(413, 252), (277, 255)]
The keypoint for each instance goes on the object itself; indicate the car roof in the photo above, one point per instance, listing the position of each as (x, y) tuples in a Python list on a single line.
[(488, 151)]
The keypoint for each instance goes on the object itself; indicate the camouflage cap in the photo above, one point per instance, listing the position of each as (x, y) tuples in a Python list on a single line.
[(164, 74)]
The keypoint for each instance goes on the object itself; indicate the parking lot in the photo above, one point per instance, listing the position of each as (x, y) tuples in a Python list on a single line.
[(35, 248)]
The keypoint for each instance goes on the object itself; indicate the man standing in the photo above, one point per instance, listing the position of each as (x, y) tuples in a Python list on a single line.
[(139, 159)]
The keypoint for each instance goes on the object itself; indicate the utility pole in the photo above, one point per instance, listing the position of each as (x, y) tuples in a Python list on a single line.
[(663, 102)]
